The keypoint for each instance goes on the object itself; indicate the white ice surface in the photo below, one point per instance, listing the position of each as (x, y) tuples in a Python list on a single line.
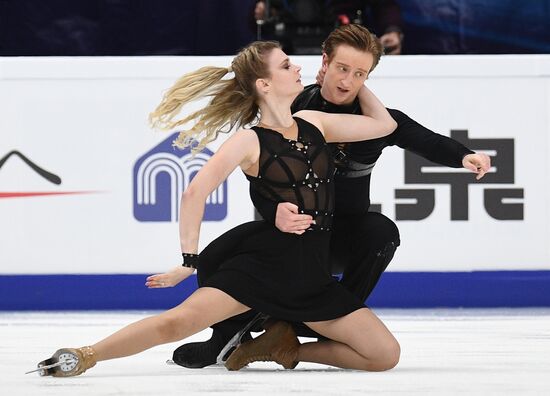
[(444, 352)]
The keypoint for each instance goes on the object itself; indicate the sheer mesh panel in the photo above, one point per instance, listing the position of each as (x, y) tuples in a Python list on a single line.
[(297, 171)]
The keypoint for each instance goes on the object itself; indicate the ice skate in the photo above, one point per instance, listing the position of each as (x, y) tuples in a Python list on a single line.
[(201, 354), (237, 339), (278, 344), (67, 362)]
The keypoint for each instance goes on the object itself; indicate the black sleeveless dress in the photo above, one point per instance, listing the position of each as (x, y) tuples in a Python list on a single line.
[(284, 275)]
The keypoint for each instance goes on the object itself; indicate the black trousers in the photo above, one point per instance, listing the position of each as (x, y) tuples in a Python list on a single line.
[(362, 246)]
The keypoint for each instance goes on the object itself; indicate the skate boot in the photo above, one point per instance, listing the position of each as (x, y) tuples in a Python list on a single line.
[(278, 344), (216, 349), (67, 362), (243, 335), (201, 354)]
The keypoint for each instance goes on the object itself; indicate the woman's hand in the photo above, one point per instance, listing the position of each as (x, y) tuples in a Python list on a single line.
[(168, 279)]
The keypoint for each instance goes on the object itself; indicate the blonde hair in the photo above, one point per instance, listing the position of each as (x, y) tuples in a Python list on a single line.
[(233, 103), (356, 36)]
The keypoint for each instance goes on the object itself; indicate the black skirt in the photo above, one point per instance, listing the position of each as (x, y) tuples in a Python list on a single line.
[(286, 276)]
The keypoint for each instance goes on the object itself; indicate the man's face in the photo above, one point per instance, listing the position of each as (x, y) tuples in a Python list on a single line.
[(345, 74)]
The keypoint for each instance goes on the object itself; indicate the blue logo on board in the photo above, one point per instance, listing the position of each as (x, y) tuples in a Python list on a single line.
[(162, 174)]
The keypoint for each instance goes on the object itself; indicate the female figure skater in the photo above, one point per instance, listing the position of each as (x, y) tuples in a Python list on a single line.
[(283, 275)]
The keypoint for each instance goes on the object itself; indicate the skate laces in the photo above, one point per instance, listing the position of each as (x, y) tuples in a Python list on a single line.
[(88, 357)]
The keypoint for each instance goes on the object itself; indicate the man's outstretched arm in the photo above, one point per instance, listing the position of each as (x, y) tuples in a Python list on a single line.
[(410, 135)]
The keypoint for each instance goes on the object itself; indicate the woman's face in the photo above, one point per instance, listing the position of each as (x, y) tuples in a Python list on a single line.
[(284, 77)]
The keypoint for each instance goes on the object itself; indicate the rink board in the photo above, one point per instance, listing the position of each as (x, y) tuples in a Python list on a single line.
[(89, 194), (478, 289)]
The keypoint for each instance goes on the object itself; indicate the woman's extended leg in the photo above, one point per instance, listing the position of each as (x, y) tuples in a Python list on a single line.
[(358, 341), (203, 308)]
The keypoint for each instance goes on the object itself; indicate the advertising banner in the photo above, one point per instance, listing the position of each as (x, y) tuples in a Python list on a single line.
[(87, 187)]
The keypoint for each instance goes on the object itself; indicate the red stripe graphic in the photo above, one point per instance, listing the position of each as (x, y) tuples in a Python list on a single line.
[(42, 193)]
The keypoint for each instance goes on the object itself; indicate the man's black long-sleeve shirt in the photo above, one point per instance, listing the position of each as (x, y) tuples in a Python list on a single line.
[(355, 161)]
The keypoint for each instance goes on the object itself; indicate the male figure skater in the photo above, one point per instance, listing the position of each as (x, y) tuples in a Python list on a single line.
[(362, 243)]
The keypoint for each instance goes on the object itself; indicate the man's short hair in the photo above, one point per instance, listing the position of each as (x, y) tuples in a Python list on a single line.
[(356, 36)]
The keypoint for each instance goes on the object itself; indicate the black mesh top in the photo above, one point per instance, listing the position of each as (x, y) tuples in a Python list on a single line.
[(297, 171)]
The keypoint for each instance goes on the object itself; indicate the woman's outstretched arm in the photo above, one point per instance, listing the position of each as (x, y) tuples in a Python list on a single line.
[(238, 150), (242, 149)]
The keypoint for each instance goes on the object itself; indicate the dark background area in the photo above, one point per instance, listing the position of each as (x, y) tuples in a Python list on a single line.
[(221, 27), (476, 26)]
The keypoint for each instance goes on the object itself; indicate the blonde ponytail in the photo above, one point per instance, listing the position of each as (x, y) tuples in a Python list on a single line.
[(233, 102)]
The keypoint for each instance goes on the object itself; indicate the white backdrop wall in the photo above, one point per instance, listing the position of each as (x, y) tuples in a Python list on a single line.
[(85, 120)]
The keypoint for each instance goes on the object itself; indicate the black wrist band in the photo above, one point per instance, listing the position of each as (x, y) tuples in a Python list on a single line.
[(190, 260)]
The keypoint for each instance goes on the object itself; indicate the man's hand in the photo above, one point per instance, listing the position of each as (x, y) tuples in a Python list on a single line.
[(287, 219), (168, 279), (477, 163), (321, 75)]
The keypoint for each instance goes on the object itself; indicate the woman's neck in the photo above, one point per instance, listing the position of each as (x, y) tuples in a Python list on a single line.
[(276, 115)]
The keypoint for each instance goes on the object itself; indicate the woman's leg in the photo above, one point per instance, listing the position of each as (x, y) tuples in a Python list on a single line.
[(359, 341), (203, 308)]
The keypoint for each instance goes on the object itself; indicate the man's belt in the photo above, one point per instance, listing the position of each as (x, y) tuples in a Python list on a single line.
[(349, 168)]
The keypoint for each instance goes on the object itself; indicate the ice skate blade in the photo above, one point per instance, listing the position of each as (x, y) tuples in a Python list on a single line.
[(42, 368), (235, 341), (170, 362)]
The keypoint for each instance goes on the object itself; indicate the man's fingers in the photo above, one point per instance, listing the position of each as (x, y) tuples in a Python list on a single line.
[(302, 225), (305, 222), (293, 218), (302, 218), (296, 226), (288, 219), (320, 77), (296, 216), (289, 206)]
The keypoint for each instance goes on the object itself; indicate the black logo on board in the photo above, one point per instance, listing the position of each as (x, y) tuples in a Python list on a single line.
[(493, 198)]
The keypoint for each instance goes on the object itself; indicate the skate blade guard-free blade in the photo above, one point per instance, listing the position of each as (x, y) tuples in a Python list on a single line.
[(236, 340), (67, 362)]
